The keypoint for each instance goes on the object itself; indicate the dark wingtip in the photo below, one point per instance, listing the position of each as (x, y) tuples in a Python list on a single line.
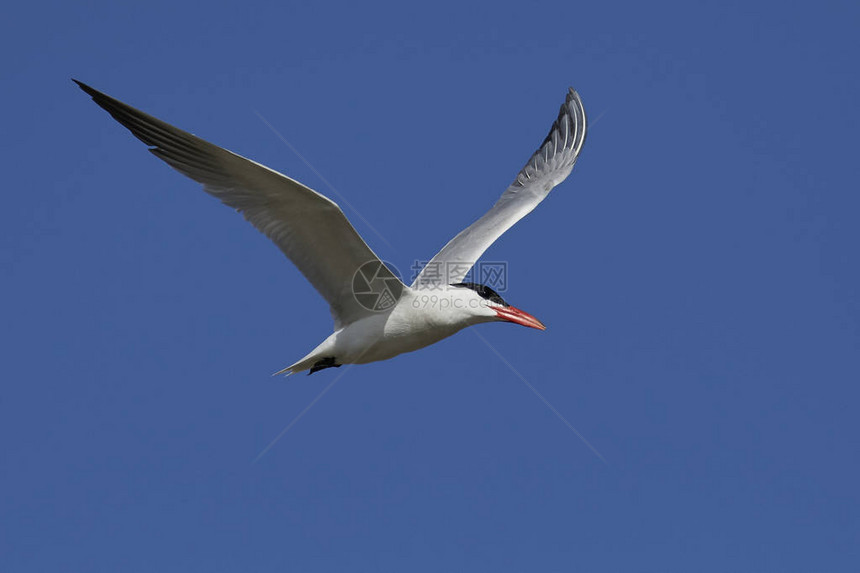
[(90, 91)]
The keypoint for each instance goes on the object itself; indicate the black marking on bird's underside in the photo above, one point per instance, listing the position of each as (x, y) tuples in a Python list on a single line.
[(323, 363), (484, 292)]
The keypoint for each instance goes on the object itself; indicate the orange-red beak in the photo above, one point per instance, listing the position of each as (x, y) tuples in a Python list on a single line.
[(512, 314)]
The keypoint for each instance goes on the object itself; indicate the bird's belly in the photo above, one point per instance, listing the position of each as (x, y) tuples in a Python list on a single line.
[(392, 346), (380, 340)]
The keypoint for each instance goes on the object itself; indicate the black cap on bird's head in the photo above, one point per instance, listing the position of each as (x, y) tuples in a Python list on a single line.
[(484, 292)]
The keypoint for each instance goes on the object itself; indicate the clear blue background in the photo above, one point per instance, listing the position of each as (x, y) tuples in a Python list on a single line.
[(698, 273)]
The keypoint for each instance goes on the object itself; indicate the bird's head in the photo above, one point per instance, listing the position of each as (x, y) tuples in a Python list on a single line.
[(483, 304)]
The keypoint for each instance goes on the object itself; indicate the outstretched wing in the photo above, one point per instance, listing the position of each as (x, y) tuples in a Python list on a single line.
[(548, 167), (309, 228)]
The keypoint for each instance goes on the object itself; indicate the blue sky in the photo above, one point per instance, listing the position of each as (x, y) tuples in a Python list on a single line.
[(697, 272)]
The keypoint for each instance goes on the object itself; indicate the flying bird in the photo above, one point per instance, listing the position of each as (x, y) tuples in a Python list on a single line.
[(376, 316)]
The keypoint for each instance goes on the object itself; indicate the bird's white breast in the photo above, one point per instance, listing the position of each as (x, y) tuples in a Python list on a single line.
[(410, 325)]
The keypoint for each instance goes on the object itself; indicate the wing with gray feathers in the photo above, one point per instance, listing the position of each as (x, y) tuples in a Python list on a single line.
[(548, 167), (309, 228)]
